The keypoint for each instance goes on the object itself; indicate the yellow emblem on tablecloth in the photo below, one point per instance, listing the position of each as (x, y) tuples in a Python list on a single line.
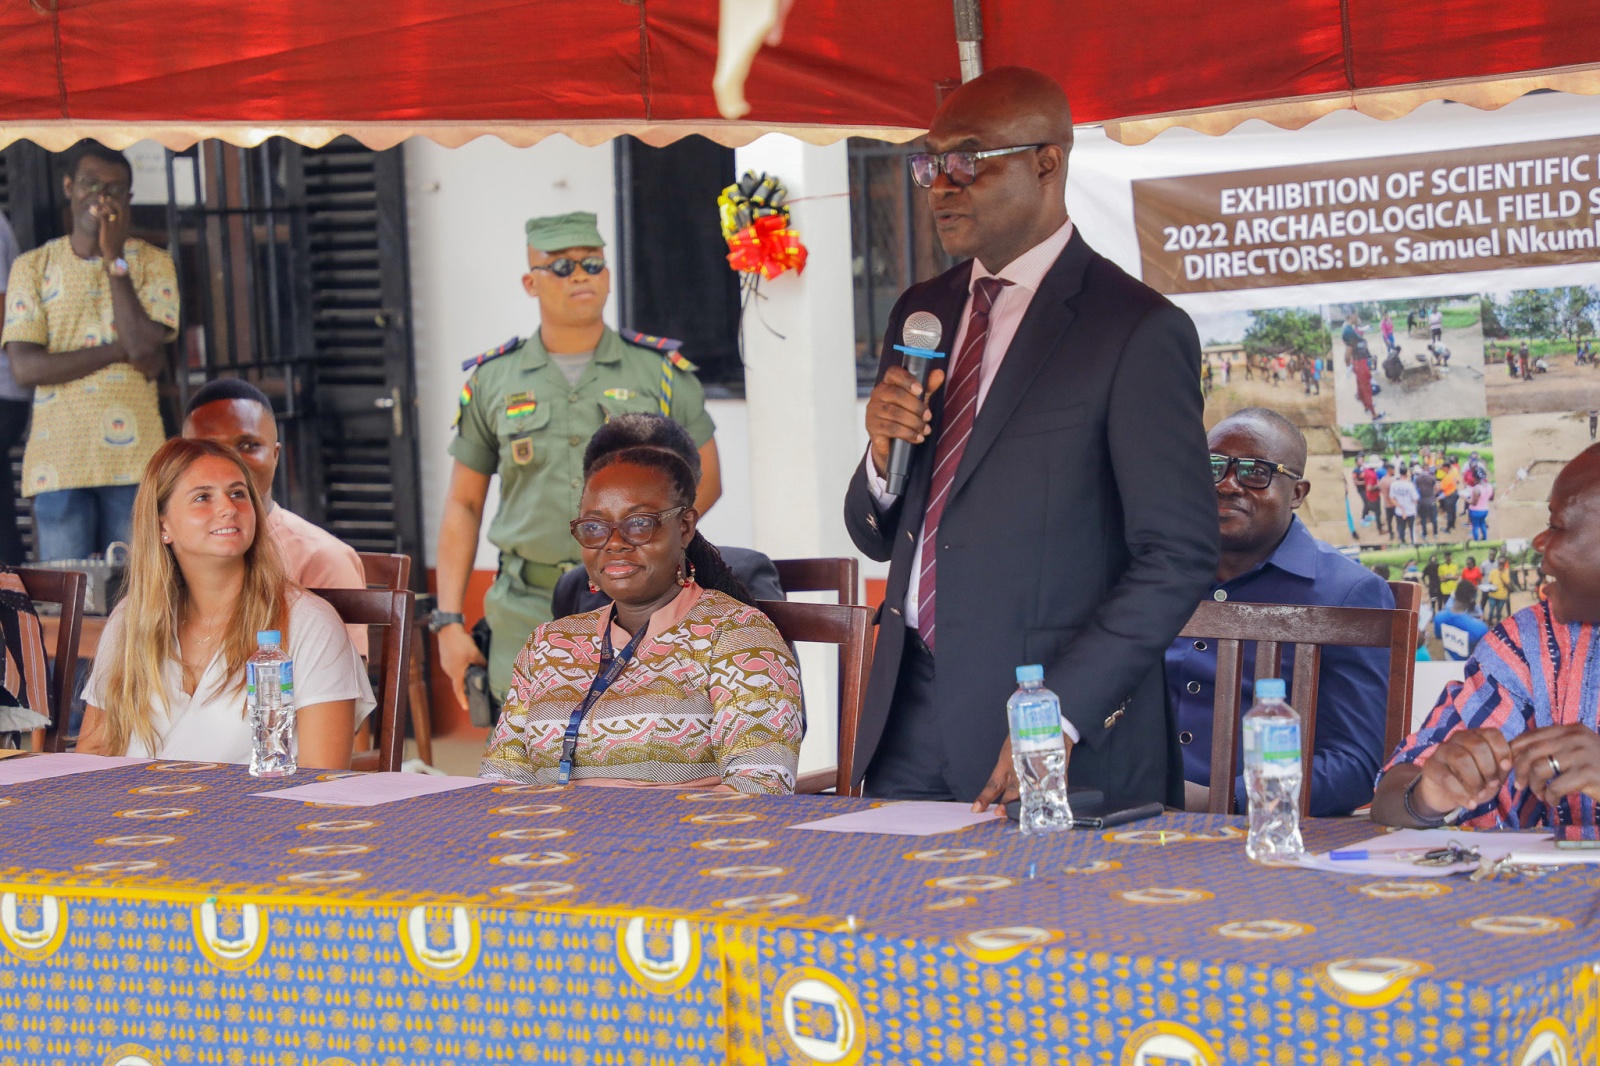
[(534, 858), (1167, 1044), (972, 882), (156, 814), (1005, 942), (1263, 929), (818, 1019), (1370, 982), (183, 767), (744, 872), (947, 855), (119, 866), (440, 942), (547, 832), (529, 809), (1547, 1044), (32, 927), (138, 840), (132, 1055), (1166, 897), (325, 850), (1402, 889), (1518, 925), (732, 844), (725, 818), (538, 889), (1097, 866), (174, 789), (231, 935), (661, 954), (763, 901)]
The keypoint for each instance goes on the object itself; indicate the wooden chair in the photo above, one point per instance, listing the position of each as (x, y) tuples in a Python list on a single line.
[(393, 571), (1408, 596), (850, 627), (392, 610), (65, 588), (838, 575), (1308, 629)]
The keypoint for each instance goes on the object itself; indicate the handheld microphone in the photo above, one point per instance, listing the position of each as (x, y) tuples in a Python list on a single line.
[(921, 334)]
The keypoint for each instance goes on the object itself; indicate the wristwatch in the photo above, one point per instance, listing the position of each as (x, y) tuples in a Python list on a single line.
[(118, 267), (439, 619)]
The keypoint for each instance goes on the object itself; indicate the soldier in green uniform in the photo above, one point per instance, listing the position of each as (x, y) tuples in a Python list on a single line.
[(527, 411)]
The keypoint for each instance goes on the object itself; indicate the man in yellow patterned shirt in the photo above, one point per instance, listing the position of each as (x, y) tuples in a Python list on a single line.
[(88, 319)]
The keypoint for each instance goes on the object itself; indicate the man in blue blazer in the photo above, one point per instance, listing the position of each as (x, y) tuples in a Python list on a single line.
[(1058, 508)]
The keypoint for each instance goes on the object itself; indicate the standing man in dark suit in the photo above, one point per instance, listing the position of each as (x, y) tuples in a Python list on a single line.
[(1059, 508)]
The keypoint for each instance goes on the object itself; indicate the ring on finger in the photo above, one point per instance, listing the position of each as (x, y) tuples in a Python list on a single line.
[(1555, 767)]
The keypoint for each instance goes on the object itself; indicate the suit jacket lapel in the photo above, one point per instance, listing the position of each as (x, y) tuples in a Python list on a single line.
[(1037, 339)]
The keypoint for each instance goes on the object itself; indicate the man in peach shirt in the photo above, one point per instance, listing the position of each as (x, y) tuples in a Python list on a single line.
[(235, 413)]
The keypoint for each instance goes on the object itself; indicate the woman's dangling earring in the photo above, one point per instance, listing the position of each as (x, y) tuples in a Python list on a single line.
[(685, 579)]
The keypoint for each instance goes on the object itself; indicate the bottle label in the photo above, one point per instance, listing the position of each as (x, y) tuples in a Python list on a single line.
[(250, 679), (287, 674), (1036, 724), (1275, 744)]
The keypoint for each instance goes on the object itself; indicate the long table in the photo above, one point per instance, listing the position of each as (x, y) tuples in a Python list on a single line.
[(161, 914)]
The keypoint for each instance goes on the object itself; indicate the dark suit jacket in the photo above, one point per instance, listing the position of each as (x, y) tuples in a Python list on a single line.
[(572, 595), (1080, 532)]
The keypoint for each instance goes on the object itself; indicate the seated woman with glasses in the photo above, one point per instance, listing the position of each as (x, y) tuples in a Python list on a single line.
[(679, 681), (202, 581)]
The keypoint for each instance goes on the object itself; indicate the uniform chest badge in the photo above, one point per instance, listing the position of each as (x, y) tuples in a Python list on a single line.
[(519, 404), (619, 394), (522, 451)]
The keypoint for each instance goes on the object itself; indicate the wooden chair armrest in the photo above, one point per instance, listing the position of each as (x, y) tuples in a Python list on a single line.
[(817, 782)]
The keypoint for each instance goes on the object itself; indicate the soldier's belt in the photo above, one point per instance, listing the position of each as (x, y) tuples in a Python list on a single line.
[(538, 575)]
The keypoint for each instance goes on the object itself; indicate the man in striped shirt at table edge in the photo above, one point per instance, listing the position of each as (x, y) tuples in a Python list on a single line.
[(1515, 745)]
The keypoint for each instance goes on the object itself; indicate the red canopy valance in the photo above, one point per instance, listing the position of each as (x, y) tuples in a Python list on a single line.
[(522, 69)]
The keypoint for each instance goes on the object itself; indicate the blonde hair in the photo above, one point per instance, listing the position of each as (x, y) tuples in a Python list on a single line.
[(153, 591)]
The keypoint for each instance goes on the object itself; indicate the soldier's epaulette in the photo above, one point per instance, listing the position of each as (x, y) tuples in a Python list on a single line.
[(666, 347), (493, 353)]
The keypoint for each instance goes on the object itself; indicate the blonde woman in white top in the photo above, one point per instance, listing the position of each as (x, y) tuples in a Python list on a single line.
[(168, 680)]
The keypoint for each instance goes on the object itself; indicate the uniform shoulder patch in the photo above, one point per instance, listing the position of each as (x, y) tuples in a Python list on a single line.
[(492, 354), (666, 347)]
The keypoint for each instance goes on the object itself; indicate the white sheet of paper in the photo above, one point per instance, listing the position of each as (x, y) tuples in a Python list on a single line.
[(40, 767), (913, 818), (1533, 848), (369, 790)]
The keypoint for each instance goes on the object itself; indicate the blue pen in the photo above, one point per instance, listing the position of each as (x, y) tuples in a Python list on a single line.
[(1359, 854)]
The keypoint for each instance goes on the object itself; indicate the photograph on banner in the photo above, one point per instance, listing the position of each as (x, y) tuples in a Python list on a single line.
[(1408, 360), (1540, 350), (1419, 483), (1532, 449), (1276, 357)]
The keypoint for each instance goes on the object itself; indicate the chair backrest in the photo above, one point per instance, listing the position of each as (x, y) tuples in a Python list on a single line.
[(65, 588), (1308, 629), (850, 627), (385, 570), (391, 609), (1408, 596), (837, 575)]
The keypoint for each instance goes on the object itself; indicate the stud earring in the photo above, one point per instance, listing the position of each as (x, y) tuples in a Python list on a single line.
[(593, 587)]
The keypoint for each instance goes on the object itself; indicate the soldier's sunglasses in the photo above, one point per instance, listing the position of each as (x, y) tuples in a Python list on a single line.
[(636, 529), (563, 267), (1253, 473)]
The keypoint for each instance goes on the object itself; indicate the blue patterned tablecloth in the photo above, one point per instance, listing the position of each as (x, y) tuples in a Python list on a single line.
[(160, 914)]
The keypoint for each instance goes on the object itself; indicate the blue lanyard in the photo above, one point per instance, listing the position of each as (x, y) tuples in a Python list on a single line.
[(611, 667)]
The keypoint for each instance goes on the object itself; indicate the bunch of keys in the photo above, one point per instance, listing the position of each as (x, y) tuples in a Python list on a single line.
[(1450, 854), (1504, 865)]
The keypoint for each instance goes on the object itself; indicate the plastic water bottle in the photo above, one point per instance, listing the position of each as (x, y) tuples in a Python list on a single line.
[(1039, 753), (1272, 775), (269, 692)]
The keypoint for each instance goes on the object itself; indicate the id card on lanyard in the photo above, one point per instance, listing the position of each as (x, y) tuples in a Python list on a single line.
[(611, 667)]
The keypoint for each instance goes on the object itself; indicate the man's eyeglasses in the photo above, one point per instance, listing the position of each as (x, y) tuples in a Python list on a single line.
[(563, 267), (1253, 473), (636, 529), (962, 167), (117, 190)]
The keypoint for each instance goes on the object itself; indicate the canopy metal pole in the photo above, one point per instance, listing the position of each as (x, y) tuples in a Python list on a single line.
[(969, 37)]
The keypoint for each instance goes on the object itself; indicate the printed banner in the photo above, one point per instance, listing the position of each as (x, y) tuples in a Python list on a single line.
[(1503, 206)]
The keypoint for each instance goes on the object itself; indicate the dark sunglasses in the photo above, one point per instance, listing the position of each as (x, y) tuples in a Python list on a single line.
[(636, 529), (1253, 473), (117, 190), (962, 167), (563, 267)]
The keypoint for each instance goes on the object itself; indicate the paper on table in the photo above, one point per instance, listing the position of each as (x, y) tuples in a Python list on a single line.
[(369, 790), (1533, 848), (913, 818), (40, 767)]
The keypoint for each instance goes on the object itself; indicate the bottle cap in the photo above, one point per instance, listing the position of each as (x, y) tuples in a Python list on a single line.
[(269, 636), (1270, 688), (1032, 672)]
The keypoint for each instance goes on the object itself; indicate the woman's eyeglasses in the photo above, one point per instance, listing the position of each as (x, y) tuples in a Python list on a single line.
[(636, 529), (962, 167), (1253, 473), (563, 267)]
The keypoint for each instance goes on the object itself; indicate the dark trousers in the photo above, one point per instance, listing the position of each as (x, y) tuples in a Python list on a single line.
[(1428, 515), (1447, 505), (13, 424), (910, 762)]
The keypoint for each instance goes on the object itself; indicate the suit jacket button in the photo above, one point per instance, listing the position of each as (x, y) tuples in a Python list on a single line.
[(1199, 645), (1193, 687), (1219, 595), (1185, 737)]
